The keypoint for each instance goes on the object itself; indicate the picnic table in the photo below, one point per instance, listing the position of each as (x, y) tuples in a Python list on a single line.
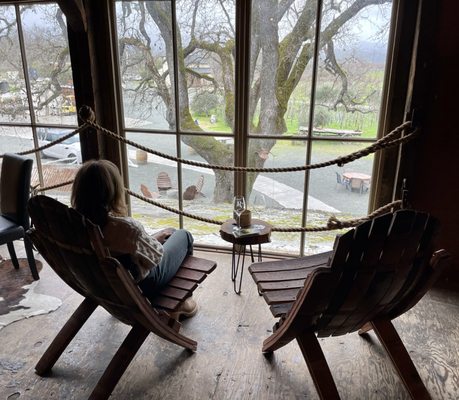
[(357, 181), (303, 130)]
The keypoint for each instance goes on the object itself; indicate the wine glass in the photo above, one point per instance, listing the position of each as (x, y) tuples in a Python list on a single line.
[(239, 207)]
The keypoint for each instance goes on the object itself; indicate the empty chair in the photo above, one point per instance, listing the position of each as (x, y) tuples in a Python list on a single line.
[(200, 184), (74, 248), (376, 272), (14, 194), (163, 181), (193, 191), (146, 192), (190, 193)]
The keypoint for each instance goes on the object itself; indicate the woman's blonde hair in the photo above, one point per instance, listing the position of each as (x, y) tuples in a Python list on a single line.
[(98, 190)]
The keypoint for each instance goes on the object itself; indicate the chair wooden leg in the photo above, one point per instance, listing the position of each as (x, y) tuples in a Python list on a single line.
[(401, 359), (65, 336), (119, 363), (365, 328), (31, 258), (318, 367), (12, 252)]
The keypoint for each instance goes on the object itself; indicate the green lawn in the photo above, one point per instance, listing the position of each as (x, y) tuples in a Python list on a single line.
[(367, 123)]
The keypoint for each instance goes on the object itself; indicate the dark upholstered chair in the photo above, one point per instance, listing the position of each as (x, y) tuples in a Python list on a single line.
[(14, 194), (74, 248), (377, 271)]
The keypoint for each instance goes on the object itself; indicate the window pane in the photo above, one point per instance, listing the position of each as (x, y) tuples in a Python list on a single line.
[(206, 31), (282, 52), (350, 197), (341, 192), (66, 152), (19, 139), (351, 72), (153, 177), (59, 163), (145, 51), (48, 62), (203, 178), (55, 174), (14, 106), (201, 195), (278, 197), (15, 139), (153, 218)]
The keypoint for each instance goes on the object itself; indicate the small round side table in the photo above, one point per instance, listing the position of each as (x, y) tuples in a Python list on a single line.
[(239, 246)]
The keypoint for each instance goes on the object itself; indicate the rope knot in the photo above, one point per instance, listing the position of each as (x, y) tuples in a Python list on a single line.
[(87, 114), (334, 223)]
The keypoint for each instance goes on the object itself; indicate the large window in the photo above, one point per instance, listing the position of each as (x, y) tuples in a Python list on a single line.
[(37, 102), (315, 82)]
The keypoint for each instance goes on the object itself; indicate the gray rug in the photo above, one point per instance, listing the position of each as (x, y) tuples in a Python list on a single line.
[(18, 297)]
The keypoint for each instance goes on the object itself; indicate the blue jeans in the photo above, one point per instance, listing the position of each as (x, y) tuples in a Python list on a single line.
[(176, 248)]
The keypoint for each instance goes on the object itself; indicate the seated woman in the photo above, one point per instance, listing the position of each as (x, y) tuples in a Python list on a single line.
[(98, 194)]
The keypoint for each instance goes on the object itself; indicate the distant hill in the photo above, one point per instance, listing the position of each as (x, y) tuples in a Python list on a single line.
[(373, 52)]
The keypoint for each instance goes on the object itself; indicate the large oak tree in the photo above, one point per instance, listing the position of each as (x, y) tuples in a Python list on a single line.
[(282, 46)]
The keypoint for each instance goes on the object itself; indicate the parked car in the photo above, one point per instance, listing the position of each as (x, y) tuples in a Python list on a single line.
[(69, 150)]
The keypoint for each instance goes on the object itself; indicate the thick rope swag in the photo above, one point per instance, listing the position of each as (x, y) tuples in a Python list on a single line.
[(332, 224), (88, 116)]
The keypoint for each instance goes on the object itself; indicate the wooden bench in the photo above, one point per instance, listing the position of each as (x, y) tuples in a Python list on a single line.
[(303, 130), (74, 248), (376, 272)]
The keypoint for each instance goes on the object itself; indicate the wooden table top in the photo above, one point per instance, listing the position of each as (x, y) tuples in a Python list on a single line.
[(356, 175), (227, 228)]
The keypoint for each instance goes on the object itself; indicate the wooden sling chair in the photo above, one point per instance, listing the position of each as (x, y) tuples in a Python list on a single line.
[(163, 181), (377, 271), (74, 248)]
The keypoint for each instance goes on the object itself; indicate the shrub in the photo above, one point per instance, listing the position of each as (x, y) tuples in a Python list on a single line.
[(205, 103)]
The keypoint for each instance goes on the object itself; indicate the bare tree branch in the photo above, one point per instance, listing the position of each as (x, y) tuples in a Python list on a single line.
[(142, 24), (284, 6), (158, 79), (227, 17), (193, 23), (203, 76)]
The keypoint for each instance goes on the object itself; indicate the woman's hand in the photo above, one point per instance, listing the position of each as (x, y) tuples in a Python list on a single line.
[(163, 234)]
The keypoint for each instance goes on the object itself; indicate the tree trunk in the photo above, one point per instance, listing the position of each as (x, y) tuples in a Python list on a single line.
[(270, 121)]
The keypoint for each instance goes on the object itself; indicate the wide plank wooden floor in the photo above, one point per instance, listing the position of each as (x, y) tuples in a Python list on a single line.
[(229, 363)]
